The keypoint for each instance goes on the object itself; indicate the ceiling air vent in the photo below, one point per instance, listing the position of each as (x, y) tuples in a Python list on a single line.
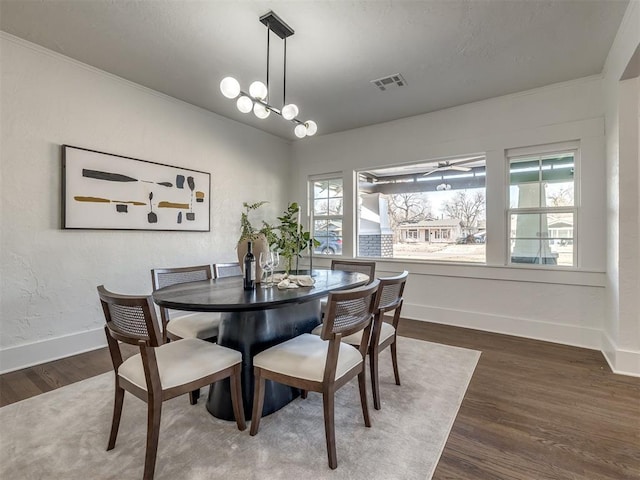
[(385, 83)]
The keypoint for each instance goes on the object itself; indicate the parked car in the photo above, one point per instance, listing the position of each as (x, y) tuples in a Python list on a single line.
[(330, 243), (473, 238)]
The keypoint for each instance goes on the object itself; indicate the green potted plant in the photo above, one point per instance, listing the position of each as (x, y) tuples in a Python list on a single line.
[(292, 239)]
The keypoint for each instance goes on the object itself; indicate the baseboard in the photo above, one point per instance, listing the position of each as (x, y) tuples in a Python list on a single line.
[(624, 362), (22, 356), (584, 337)]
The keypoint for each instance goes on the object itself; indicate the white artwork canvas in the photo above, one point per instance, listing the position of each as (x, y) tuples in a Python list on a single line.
[(105, 191)]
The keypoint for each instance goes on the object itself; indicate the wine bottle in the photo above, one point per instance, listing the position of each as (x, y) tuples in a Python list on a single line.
[(249, 268)]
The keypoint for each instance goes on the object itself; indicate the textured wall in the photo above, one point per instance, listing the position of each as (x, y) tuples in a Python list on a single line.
[(49, 275)]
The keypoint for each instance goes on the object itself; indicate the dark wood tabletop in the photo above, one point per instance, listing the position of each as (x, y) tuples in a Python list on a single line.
[(227, 295)]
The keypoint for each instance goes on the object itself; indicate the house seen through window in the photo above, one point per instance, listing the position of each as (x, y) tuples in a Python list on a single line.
[(433, 210)]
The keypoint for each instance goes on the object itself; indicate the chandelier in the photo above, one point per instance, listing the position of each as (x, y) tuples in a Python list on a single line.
[(257, 99)]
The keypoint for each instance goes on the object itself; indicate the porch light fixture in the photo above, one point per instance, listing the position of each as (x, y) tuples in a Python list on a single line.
[(257, 99)]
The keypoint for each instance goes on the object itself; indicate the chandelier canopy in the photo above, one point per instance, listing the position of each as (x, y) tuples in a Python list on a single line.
[(257, 99)]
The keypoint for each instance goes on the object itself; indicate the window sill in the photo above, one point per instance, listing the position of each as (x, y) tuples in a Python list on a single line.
[(511, 273)]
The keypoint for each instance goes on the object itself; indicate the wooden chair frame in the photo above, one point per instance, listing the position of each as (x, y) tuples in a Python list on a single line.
[(155, 394), (374, 347), (356, 266), (156, 273), (328, 386), (218, 266)]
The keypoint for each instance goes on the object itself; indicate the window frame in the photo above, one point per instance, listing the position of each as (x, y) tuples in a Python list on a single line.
[(543, 151), (311, 198)]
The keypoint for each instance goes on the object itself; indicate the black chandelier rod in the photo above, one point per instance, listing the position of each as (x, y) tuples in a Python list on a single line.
[(270, 107), (268, 50)]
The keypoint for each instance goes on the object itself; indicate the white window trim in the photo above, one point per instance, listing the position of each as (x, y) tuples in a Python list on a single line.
[(311, 217), (542, 150)]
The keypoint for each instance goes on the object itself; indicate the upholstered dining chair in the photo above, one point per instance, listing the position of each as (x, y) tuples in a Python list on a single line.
[(322, 363), (368, 268), (383, 334), (161, 370), (177, 325)]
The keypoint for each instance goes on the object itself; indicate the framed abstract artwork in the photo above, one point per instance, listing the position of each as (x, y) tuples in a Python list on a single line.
[(105, 191)]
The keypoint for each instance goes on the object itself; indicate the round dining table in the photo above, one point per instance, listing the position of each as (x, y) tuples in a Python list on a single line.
[(254, 320)]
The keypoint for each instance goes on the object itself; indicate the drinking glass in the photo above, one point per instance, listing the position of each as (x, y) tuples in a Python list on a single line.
[(266, 261), (275, 262)]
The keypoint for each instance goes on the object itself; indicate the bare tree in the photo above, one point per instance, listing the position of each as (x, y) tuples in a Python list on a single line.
[(408, 207), (468, 208), (560, 197)]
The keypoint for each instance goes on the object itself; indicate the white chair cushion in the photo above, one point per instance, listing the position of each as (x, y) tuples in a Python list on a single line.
[(305, 357), (323, 304), (181, 362), (386, 332), (195, 325)]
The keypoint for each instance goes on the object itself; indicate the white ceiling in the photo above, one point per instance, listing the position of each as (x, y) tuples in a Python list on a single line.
[(450, 52)]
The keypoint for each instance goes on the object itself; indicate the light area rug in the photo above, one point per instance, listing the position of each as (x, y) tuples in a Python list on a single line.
[(63, 434)]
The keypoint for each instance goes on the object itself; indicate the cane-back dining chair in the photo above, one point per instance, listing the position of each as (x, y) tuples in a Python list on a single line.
[(383, 334), (161, 370), (368, 268), (322, 363), (232, 269), (175, 324), (204, 325)]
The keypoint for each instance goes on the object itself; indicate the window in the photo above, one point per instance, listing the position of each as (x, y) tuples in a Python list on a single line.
[(326, 197), (542, 206), (432, 210)]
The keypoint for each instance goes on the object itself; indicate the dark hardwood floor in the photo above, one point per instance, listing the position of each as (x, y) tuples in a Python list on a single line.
[(533, 410)]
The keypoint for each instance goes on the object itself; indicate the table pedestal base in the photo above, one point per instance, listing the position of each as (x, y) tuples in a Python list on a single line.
[(250, 333)]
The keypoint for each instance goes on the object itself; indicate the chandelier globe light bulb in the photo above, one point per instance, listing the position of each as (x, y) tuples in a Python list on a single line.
[(230, 87), (256, 97), (258, 90), (300, 130), (244, 104), (261, 111), (311, 126), (290, 111)]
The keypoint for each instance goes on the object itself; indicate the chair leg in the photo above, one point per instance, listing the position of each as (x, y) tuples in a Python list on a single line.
[(375, 379), (363, 397), (117, 413), (304, 394), (153, 432), (194, 396), (236, 397), (330, 428), (258, 402), (394, 360)]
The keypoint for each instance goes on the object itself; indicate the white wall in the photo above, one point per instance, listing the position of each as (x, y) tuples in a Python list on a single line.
[(622, 107), (49, 306), (566, 307)]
